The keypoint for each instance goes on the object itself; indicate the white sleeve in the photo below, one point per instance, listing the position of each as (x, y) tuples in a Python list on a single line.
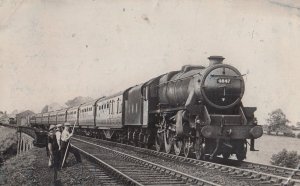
[(58, 135)]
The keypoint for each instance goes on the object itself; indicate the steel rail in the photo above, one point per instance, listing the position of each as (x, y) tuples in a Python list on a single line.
[(178, 174), (107, 166), (244, 173)]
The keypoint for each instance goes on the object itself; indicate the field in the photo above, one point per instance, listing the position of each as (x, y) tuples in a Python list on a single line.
[(268, 145)]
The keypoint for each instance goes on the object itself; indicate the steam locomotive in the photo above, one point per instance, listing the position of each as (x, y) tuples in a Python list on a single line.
[(194, 111)]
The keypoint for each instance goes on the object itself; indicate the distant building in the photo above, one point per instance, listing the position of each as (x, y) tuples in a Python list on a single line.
[(23, 118)]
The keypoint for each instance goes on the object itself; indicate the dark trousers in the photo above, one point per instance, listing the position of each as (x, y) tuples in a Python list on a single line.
[(70, 149), (56, 162)]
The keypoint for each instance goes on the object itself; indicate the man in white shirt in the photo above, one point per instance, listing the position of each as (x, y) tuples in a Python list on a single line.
[(58, 134), (65, 137)]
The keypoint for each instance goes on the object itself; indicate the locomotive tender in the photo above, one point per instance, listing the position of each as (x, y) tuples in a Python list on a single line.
[(196, 110)]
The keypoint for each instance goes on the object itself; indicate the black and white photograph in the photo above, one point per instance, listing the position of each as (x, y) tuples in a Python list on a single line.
[(150, 92)]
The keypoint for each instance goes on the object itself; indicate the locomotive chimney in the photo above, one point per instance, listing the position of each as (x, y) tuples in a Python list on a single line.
[(214, 60)]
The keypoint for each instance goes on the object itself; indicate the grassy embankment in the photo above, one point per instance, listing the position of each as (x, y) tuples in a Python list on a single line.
[(269, 145), (8, 143)]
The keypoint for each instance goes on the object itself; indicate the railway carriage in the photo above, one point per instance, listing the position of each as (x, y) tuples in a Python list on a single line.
[(72, 114), (86, 113), (61, 116), (109, 116), (45, 119), (38, 119), (53, 118)]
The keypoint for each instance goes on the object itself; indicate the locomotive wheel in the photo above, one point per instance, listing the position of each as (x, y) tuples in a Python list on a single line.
[(241, 151), (199, 149), (186, 146), (240, 156), (226, 155), (158, 142), (135, 138), (177, 147), (146, 140), (128, 137), (168, 137), (140, 140)]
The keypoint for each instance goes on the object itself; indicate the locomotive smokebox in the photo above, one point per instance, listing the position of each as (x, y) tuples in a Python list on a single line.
[(214, 60)]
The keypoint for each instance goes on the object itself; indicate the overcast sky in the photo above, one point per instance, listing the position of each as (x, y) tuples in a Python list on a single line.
[(54, 50)]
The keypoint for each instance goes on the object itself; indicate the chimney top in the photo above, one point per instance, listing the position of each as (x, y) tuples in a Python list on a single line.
[(214, 60)]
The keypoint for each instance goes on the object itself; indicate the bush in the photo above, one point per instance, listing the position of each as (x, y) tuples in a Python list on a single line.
[(289, 134), (298, 135), (286, 158)]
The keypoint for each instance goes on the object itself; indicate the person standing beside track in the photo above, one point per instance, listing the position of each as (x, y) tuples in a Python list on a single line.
[(58, 135), (53, 150), (65, 138)]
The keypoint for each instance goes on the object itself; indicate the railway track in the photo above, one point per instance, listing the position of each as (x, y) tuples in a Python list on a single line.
[(102, 176), (258, 173), (276, 170), (270, 169), (132, 170)]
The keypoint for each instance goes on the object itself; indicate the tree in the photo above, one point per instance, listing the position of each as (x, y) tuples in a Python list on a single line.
[(78, 100), (54, 106), (45, 109), (277, 120)]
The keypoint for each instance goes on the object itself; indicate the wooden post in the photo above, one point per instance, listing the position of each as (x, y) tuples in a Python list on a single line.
[(63, 162)]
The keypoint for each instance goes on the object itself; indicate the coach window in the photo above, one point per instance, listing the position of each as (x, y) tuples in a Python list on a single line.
[(118, 102), (136, 107), (107, 107), (112, 107)]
